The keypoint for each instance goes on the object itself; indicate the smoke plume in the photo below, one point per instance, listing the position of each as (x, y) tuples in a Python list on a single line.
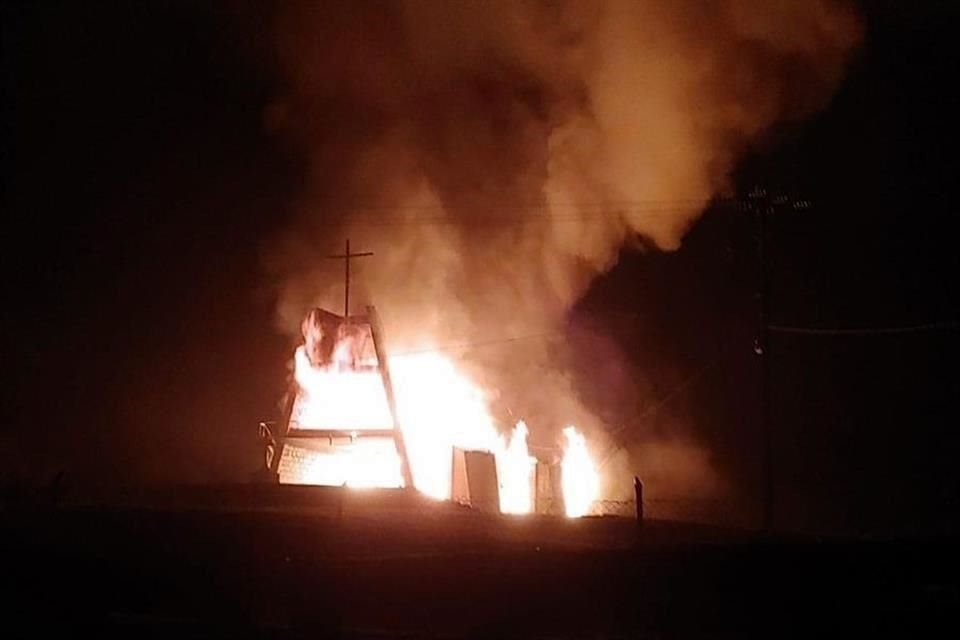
[(496, 156)]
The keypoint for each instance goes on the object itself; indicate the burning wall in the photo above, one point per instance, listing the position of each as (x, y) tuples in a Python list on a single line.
[(438, 408)]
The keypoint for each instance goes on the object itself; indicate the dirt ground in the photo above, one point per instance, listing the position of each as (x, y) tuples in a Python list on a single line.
[(253, 562)]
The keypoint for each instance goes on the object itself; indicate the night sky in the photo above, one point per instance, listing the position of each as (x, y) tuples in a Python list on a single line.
[(141, 184)]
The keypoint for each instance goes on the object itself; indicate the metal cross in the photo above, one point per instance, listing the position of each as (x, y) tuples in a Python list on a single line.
[(346, 256)]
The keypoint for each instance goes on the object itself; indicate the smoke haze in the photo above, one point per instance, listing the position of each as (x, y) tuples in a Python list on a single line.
[(496, 156)]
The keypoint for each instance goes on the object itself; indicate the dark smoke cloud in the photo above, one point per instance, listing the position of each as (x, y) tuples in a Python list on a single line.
[(497, 155)]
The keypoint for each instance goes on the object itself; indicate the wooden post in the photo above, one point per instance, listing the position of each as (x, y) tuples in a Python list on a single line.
[(638, 496)]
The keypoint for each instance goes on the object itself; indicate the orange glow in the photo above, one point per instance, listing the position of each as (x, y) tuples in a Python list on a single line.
[(362, 464), (438, 408), (339, 398), (579, 479), (516, 467)]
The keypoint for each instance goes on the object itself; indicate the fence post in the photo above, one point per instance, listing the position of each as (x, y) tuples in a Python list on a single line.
[(638, 496)]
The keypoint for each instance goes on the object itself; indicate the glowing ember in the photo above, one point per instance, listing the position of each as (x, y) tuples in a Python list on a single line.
[(579, 479)]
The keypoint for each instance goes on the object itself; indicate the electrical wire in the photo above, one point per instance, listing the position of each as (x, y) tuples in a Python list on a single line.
[(864, 331)]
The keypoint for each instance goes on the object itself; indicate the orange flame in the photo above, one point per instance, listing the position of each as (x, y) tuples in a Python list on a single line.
[(346, 400), (579, 478), (341, 397), (360, 464), (516, 467), (438, 408)]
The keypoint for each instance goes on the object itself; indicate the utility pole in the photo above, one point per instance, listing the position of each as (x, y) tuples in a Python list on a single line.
[(765, 205), (346, 256), (762, 349), (759, 203)]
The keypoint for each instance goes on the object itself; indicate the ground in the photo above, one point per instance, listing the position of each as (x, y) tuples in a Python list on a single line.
[(260, 562)]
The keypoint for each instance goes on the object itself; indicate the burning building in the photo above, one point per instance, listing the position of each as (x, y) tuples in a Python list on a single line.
[(501, 156), (340, 427), (356, 417)]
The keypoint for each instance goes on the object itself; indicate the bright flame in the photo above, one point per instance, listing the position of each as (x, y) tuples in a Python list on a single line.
[(339, 398), (579, 478), (516, 469), (362, 464), (335, 398), (438, 409)]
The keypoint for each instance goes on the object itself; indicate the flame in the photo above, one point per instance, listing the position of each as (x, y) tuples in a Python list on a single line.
[(579, 478), (515, 468), (438, 408), (359, 465), (348, 399), (351, 401)]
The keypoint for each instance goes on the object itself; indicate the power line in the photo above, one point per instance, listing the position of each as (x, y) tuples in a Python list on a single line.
[(585, 217), (676, 390), (864, 331), (527, 206), (651, 204), (374, 215), (469, 346)]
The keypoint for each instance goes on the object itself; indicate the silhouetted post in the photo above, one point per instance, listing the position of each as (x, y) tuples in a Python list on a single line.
[(638, 496), (765, 206), (762, 349)]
